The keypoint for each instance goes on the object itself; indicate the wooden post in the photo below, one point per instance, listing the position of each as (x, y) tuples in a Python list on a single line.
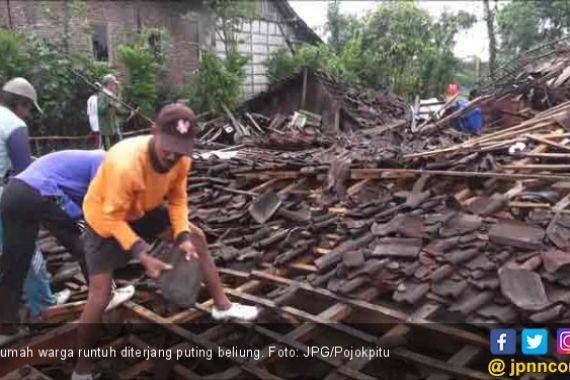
[(304, 94)]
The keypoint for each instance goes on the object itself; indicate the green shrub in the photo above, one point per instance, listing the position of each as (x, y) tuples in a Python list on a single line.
[(344, 65), (15, 60), (217, 82), (142, 69), (62, 94)]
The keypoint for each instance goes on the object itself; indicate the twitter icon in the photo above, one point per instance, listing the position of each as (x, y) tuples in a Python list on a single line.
[(534, 341)]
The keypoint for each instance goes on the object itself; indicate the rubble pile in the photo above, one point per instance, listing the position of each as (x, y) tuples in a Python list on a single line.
[(330, 109), (477, 224), (297, 131), (540, 75)]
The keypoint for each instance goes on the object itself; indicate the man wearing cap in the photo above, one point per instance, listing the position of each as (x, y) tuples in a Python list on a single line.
[(17, 100), (124, 212), (110, 111)]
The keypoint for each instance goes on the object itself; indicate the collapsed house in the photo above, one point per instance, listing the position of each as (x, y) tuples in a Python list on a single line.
[(346, 228)]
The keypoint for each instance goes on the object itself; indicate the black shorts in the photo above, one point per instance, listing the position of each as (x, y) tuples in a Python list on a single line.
[(106, 254)]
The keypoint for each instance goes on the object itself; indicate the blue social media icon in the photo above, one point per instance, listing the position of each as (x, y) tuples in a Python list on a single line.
[(534, 341), (503, 341)]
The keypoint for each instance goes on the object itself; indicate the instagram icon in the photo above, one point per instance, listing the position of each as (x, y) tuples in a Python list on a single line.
[(563, 341)]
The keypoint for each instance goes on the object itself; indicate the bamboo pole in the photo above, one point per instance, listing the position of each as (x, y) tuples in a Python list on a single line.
[(377, 173), (549, 142), (552, 167)]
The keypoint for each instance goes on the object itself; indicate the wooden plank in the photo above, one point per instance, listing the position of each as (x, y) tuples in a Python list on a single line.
[(352, 190), (60, 337), (461, 358), (549, 167), (281, 339), (234, 273), (195, 339), (548, 142), (265, 185), (389, 314), (562, 204), (302, 315), (62, 310), (135, 371), (454, 370), (379, 173), (291, 187), (397, 331), (26, 373), (401, 353), (529, 205), (545, 155), (190, 315)]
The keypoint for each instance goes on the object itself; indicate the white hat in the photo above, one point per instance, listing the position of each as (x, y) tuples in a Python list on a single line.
[(109, 78), (21, 87)]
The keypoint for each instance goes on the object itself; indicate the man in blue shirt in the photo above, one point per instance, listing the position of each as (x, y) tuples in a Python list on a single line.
[(49, 192), (17, 100)]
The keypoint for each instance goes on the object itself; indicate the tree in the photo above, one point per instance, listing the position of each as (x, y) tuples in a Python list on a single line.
[(230, 15), (439, 64), (340, 27), (344, 65), (217, 83), (62, 94), (523, 24), (398, 47), (490, 21), (519, 28)]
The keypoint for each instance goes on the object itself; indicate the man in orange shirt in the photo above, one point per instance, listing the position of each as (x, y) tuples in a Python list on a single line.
[(123, 209)]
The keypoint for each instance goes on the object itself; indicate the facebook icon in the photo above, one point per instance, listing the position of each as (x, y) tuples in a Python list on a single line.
[(503, 341)]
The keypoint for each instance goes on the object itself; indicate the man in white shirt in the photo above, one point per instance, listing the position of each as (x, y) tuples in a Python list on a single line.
[(92, 113)]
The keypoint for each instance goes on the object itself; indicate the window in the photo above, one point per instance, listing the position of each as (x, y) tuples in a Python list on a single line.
[(100, 42), (155, 43)]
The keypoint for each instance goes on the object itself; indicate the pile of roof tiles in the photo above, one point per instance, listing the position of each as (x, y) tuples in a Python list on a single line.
[(484, 249)]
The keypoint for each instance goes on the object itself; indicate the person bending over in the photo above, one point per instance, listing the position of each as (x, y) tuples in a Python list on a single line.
[(49, 192), (124, 211)]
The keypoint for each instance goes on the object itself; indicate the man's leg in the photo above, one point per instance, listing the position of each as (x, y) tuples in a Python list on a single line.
[(155, 222), (37, 286), (99, 296), (106, 142), (19, 243), (102, 256), (209, 269), (65, 230)]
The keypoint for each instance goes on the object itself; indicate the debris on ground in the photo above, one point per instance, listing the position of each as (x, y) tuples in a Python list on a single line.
[(321, 203)]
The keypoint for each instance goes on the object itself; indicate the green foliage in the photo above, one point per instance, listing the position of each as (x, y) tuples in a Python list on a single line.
[(439, 63), (397, 47), (62, 94), (15, 60), (524, 24), (344, 65), (230, 16), (519, 26), (142, 61), (341, 27), (142, 69), (217, 81)]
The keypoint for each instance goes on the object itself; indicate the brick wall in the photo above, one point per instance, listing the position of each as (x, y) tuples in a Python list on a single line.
[(188, 23)]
